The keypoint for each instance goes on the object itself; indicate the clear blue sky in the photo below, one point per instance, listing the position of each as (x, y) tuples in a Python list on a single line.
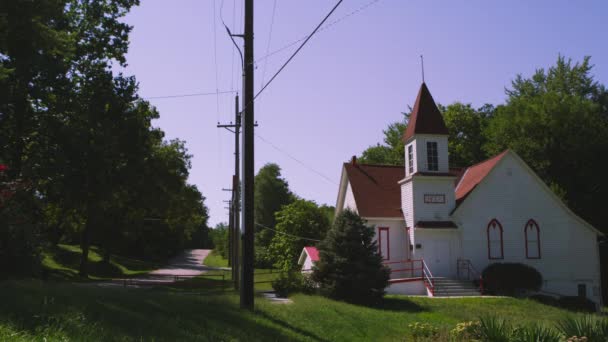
[(350, 81)]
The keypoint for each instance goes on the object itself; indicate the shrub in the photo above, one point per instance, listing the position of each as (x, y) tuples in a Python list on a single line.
[(536, 333), (495, 329), (288, 283), (309, 286), (466, 331), (350, 267), (509, 278), (593, 328), (422, 331)]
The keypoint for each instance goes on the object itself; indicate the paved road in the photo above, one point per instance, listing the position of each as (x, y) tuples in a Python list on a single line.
[(188, 263)]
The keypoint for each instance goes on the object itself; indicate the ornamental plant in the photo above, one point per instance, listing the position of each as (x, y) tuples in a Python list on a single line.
[(350, 267)]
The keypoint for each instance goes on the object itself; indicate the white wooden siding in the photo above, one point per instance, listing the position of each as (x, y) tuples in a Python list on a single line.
[(349, 199), (399, 243), (569, 253), (442, 152), (432, 211)]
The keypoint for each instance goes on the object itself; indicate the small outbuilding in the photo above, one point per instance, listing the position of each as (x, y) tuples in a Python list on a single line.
[(308, 256)]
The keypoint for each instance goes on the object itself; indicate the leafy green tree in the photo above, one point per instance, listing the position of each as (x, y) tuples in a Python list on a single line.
[(271, 193), (219, 236), (298, 220), (393, 150), (350, 267), (466, 126), (557, 122)]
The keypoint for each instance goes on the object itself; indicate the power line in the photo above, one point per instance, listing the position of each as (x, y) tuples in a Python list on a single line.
[(287, 46), (190, 95), (217, 99), (298, 49), (287, 234), (274, 7), (296, 159)]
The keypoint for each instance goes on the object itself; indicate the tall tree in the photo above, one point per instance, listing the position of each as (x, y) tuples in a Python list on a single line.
[(393, 150), (557, 121), (297, 222), (271, 194), (466, 126)]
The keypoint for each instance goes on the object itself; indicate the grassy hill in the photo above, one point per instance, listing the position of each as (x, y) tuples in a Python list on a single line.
[(32, 310), (62, 262)]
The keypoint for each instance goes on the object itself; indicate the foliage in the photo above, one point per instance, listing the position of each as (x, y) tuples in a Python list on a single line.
[(393, 150), (466, 126), (536, 333), (509, 278), (288, 283), (466, 331), (422, 330), (74, 129), (595, 329), (301, 218), (219, 236), (556, 121), (19, 235), (350, 267), (271, 193), (494, 329)]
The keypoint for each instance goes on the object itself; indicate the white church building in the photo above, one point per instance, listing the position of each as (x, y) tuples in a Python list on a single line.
[(435, 224)]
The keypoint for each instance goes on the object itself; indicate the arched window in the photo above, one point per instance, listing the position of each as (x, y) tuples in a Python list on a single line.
[(532, 233), (495, 246)]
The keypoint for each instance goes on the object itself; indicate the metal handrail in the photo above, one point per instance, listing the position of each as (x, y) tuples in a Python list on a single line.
[(428, 277), (470, 269)]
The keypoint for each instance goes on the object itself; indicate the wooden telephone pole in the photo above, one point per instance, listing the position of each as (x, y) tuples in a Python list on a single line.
[(248, 160), (234, 235)]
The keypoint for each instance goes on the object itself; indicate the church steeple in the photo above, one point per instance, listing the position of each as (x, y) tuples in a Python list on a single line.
[(426, 137), (425, 117)]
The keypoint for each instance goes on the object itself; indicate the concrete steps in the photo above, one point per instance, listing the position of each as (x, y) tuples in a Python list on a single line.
[(446, 287)]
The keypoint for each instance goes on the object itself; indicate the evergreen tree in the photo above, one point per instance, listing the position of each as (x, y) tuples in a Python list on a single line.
[(350, 267)]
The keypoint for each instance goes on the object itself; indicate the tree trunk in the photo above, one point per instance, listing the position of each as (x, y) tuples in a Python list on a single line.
[(84, 245)]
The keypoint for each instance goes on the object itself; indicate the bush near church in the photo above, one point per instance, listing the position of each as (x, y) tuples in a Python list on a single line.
[(510, 278), (350, 267)]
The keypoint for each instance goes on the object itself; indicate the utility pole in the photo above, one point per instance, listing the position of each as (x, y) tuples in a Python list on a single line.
[(235, 231), (246, 288), (236, 199)]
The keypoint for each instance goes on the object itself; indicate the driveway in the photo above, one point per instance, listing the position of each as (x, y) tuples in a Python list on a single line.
[(186, 265)]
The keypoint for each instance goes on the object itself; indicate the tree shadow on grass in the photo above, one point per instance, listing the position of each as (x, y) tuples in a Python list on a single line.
[(92, 313), (290, 327), (399, 304)]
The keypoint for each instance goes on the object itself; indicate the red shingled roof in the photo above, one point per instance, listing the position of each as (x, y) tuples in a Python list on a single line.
[(313, 253), (425, 117), (475, 174), (376, 189)]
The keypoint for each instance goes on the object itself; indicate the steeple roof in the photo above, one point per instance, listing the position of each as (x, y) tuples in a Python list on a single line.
[(425, 117)]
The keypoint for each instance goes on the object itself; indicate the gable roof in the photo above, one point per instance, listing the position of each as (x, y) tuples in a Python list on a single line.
[(473, 175), (312, 252), (376, 189), (425, 117)]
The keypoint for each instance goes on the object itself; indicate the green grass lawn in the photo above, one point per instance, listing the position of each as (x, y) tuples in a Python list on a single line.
[(63, 261), (199, 309), (33, 310)]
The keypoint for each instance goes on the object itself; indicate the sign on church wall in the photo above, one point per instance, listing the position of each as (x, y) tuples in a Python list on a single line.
[(434, 198)]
